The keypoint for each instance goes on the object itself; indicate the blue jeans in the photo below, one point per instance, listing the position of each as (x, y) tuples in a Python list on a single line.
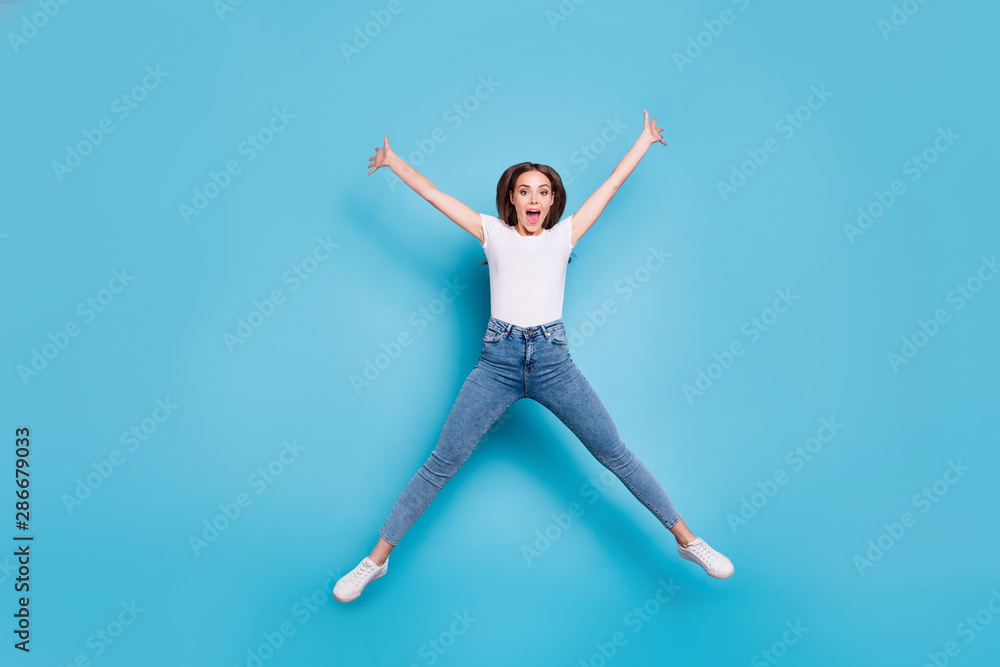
[(515, 363)]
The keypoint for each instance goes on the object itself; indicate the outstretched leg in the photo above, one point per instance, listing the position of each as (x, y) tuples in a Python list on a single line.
[(577, 405), (571, 398), (480, 403)]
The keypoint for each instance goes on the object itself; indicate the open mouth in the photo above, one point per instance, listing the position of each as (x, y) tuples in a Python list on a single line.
[(533, 215)]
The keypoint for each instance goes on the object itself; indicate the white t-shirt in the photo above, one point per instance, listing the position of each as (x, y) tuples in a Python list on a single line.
[(527, 273)]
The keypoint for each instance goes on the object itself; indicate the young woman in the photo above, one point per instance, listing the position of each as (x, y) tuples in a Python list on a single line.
[(525, 352)]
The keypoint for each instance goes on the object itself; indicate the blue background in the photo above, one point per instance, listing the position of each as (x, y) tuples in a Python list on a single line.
[(558, 79)]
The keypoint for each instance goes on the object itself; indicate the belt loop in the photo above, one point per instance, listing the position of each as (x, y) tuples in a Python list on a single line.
[(544, 331), (506, 331)]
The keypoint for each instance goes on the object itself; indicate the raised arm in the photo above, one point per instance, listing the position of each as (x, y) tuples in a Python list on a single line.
[(462, 215), (594, 206)]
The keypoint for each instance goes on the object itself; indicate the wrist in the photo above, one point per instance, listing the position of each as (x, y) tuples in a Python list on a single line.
[(393, 161)]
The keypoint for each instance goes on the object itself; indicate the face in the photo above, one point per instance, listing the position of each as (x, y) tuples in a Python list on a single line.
[(532, 198)]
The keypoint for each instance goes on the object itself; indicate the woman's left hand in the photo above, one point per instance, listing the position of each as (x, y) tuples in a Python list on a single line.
[(649, 130)]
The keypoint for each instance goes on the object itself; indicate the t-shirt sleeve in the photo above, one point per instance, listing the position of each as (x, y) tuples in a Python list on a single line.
[(568, 222)]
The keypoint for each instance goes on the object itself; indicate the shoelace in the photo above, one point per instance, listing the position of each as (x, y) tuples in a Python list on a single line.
[(704, 552), (360, 572)]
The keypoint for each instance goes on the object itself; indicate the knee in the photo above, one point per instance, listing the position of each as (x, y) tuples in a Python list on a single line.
[(437, 470), (620, 458)]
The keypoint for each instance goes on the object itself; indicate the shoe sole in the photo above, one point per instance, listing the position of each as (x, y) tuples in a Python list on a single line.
[(340, 599)]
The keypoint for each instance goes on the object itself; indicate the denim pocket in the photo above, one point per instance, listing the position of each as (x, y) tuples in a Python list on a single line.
[(558, 336), (492, 335)]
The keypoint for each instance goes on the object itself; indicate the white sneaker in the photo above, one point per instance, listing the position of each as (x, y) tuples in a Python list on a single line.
[(715, 564), (351, 584)]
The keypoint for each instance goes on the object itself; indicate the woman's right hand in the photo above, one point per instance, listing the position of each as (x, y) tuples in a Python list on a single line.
[(381, 157)]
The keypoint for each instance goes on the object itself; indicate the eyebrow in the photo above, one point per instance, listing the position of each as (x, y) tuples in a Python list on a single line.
[(543, 185)]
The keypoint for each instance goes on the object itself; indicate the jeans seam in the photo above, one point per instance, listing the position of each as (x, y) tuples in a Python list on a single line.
[(648, 504), (642, 498), (439, 488)]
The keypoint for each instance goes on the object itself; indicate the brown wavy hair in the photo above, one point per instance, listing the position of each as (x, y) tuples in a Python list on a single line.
[(505, 186)]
